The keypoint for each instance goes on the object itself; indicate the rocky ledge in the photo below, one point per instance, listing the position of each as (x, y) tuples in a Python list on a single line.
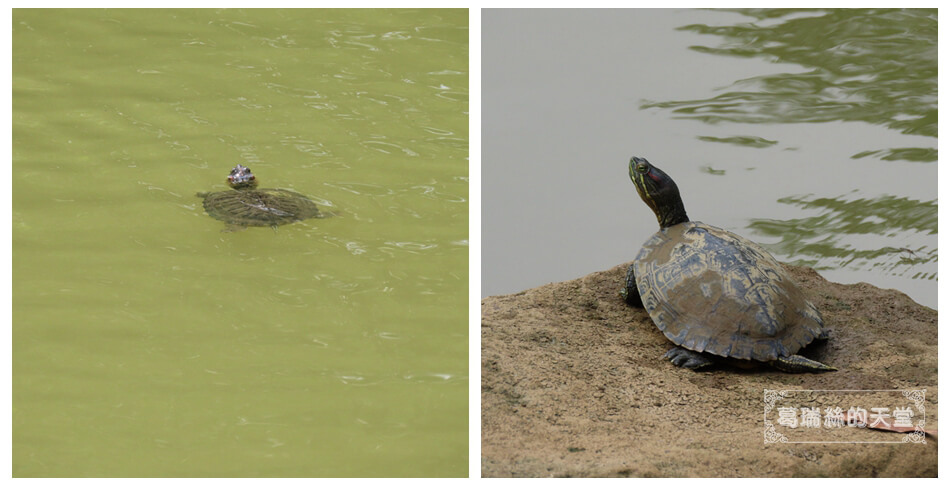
[(574, 384)]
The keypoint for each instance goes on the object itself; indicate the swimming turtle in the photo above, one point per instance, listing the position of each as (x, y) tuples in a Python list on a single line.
[(247, 205), (714, 293)]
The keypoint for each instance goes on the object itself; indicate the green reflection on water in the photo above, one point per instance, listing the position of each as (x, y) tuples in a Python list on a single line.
[(817, 240), (876, 66), (754, 142), (908, 154)]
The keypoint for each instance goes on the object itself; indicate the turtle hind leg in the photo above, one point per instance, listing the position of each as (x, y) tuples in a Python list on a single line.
[(629, 292), (688, 359), (233, 227), (800, 364)]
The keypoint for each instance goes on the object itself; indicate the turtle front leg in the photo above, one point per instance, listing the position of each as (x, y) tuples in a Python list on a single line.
[(629, 292), (800, 364), (688, 359)]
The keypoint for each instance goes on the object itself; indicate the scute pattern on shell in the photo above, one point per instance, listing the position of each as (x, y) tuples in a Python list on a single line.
[(712, 291), (259, 207)]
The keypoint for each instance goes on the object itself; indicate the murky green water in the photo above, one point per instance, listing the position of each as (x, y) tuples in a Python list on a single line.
[(147, 342), (810, 131)]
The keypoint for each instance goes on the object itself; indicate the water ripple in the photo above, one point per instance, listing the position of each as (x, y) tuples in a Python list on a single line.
[(832, 239), (871, 65), (361, 188), (382, 147)]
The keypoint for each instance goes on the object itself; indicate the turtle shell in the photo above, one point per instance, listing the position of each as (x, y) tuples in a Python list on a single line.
[(712, 291), (259, 207)]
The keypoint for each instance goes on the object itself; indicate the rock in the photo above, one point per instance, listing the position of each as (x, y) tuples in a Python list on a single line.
[(574, 384)]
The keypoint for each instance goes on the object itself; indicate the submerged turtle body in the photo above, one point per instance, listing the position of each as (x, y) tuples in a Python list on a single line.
[(712, 292), (248, 206)]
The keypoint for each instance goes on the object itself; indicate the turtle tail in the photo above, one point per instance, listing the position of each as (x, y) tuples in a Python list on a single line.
[(800, 364)]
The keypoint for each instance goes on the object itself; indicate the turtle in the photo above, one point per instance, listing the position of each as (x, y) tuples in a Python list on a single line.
[(246, 205), (716, 295)]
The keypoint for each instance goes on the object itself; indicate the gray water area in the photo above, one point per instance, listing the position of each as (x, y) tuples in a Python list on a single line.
[(822, 148)]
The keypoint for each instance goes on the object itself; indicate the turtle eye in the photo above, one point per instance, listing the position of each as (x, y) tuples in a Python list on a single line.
[(642, 169)]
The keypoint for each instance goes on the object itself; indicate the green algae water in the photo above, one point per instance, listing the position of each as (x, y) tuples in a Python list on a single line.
[(147, 341)]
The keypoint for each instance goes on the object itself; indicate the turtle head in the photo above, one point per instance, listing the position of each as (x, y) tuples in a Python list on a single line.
[(659, 192), (241, 178)]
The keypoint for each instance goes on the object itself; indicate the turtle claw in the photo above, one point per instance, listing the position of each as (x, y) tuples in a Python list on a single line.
[(687, 359), (629, 292)]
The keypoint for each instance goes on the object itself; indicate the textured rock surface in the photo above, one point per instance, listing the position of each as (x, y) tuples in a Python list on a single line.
[(574, 384)]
